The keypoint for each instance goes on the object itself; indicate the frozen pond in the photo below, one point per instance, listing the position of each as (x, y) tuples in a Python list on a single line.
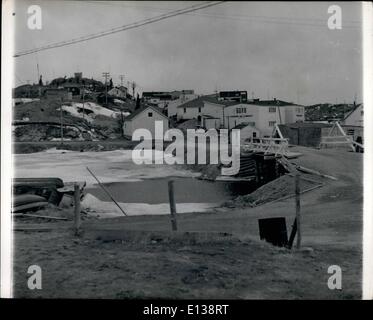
[(140, 189), (187, 190)]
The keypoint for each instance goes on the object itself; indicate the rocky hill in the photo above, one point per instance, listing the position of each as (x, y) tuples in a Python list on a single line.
[(327, 111)]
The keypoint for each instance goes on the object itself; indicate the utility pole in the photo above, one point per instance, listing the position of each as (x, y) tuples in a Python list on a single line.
[(133, 89), (83, 101), (106, 75), (121, 77), (61, 115), (37, 68), (297, 210)]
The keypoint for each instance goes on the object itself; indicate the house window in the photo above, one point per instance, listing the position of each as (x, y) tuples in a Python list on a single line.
[(240, 110), (184, 110), (272, 109), (271, 123), (254, 134), (199, 109), (150, 114)]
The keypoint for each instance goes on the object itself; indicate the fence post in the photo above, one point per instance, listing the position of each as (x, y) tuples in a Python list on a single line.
[(297, 210), (77, 209), (172, 204)]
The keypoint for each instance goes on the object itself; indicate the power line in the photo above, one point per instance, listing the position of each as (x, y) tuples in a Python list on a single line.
[(120, 29), (317, 22)]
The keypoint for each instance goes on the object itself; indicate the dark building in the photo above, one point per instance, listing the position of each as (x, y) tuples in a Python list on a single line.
[(240, 96)]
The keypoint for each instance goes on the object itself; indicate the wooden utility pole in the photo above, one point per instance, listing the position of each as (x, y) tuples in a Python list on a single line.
[(77, 209), (83, 101), (121, 77), (297, 210), (61, 117), (106, 75), (172, 205), (133, 89)]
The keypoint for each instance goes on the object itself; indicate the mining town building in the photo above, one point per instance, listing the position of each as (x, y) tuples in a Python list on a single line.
[(215, 111), (144, 119)]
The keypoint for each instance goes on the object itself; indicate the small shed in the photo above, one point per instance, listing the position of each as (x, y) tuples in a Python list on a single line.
[(247, 132), (145, 118)]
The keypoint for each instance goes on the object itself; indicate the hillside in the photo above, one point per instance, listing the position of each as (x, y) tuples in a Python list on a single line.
[(327, 111), (39, 121)]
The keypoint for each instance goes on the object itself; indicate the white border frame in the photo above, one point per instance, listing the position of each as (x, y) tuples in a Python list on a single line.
[(367, 13), (7, 73)]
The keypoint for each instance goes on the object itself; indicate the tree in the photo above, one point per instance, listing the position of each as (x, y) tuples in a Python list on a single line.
[(40, 81), (111, 83)]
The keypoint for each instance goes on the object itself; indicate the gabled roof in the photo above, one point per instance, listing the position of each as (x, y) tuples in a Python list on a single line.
[(244, 125), (195, 103), (353, 110), (138, 111), (212, 98), (274, 103)]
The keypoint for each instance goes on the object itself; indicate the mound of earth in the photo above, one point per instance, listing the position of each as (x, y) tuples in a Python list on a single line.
[(281, 187)]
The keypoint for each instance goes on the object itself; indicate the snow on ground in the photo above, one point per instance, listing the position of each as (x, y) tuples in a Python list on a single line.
[(108, 166), (97, 208), (76, 110)]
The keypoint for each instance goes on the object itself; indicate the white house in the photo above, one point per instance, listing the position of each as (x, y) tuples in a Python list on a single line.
[(355, 117), (169, 100), (185, 96), (247, 133), (192, 109), (119, 92), (144, 119), (213, 112)]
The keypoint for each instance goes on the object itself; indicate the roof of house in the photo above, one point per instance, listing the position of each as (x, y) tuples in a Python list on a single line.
[(207, 116), (274, 102), (353, 110), (138, 111), (212, 98), (306, 125), (195, 103), (244, 125)]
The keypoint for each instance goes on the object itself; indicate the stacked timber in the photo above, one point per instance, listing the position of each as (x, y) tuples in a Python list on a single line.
[(247, 166)]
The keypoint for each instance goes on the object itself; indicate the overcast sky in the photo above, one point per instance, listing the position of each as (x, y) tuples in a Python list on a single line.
[(271, 49)]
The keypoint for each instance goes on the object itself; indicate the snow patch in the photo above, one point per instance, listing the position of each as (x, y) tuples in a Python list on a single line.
[(76, 110), (101, 209)]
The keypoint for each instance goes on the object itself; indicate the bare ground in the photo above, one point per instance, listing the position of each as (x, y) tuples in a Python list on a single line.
[(240, 266)]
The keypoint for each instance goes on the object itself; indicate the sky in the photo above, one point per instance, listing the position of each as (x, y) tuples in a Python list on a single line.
[(282, 50)]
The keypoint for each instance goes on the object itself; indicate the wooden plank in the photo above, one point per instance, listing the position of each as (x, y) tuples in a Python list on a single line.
[(172, 205), (77, 209), (297, 211), (38, 216), (106, 191), (311, 171)]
